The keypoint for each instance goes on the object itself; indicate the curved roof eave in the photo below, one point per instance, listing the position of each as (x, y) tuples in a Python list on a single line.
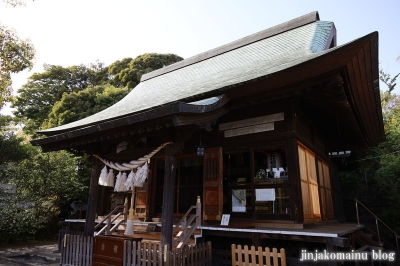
[(198, 107), (344, 52), (191, 82)]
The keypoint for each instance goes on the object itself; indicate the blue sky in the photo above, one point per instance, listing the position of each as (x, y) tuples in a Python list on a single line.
[(72, 32)]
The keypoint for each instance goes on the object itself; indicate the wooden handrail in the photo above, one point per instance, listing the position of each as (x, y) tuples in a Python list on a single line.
[(176, 229), (107, 227), (184, 223), (108, 215)]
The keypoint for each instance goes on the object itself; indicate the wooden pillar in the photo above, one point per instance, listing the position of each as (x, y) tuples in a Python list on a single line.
[(255, 239), (102, 205), (171, 162), (331, 249), (92, 200)]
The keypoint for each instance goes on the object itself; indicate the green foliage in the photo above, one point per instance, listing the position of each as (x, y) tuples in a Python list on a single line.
[(389, 81), (12, 147), (47, 99), (46, 184), (37, 97), (15, 56), (78, 105), (22, 218), (376, 175), (128, 71), (391, 118), (109, 96), (48, 177)]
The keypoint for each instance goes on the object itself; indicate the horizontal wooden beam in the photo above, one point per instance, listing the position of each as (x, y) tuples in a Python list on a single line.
[(252, 121)]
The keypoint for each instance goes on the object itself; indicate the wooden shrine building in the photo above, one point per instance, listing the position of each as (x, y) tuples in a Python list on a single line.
[(271, 110)]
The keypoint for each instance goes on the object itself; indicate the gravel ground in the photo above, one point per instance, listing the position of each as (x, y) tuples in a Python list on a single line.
[(7, 262), (29, 253)]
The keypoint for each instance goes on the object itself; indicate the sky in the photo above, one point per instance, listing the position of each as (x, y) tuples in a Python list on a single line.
[(73, 32)]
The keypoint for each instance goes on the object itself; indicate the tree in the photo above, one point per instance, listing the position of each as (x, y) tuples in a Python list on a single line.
[(390, 83), (15, 56), (128, 72), (37, 97), (51, 176), (12, 147), (45, 184), (47, 99), (78, 105), (375, 175)]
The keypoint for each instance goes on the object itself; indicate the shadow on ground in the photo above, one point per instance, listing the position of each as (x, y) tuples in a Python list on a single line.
[(32, 252)]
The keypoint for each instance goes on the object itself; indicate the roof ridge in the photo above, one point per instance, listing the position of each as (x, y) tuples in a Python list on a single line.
[(280, 28)]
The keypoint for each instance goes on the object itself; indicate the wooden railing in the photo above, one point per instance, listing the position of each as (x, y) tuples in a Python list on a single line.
[(186, 227), (142, 253), (108, 228), (253, 257), (77, 250)]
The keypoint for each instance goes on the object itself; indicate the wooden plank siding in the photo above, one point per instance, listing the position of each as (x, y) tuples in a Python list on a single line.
[(364, 101), (365, 83)]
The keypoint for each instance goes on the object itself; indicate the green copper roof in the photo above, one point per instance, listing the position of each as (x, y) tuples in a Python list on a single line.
[(216, 73)]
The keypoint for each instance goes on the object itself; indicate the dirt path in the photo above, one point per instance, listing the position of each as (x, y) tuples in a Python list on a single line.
[(31, 252)]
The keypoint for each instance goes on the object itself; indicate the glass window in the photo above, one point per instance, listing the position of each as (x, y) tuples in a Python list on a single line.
[(270, 167), (256, 184), (239, 200), (272, 201), (237, 170)]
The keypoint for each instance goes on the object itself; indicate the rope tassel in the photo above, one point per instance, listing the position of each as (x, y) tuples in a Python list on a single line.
[(110, 179), (103, 176)]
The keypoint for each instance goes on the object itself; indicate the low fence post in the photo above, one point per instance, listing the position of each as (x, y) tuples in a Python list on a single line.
[(77, 250), (253, 257), (142, 253), (62, 233)]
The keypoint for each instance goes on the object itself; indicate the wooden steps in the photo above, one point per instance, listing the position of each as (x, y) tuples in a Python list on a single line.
[(140, 230), (368, 237)]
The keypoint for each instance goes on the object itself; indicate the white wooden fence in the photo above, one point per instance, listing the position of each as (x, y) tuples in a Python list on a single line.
[(62, 233), (77, 250)]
